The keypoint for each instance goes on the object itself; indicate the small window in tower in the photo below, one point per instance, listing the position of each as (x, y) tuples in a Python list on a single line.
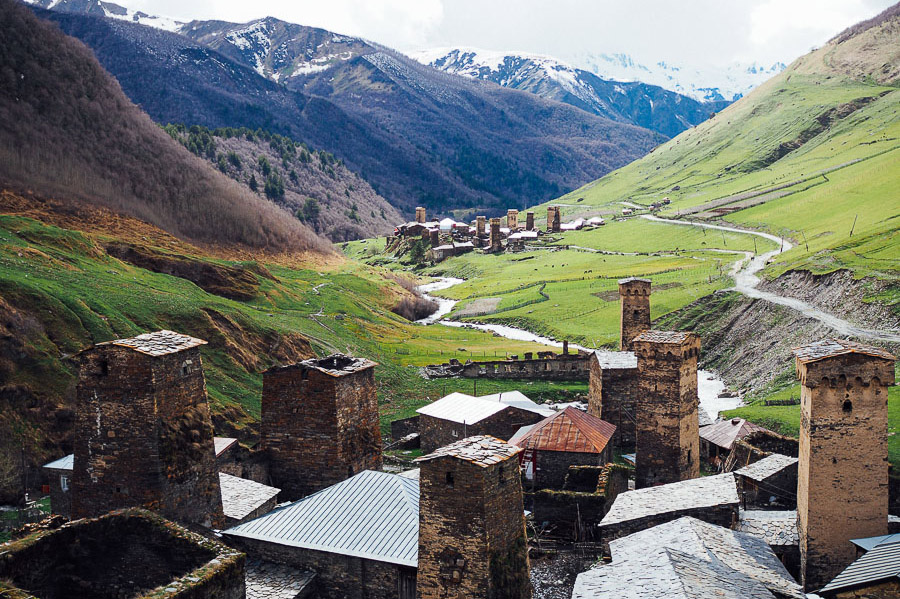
[(500, 474), (848, 406), (689, 456), (64, 482), (104, 368), (450, 479)]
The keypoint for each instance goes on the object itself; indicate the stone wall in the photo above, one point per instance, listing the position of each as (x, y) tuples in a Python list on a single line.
[(319, 425), (472, 540), (405, 426), (612, 397), (337, 576), (437, 432), (758, 445), (667, 437), (781, 485), (144, 437), (877, 590), (552, 467), (842, 492), (573, 367)]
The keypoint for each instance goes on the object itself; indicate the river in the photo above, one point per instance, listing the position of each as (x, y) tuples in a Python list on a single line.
[(709, 386)]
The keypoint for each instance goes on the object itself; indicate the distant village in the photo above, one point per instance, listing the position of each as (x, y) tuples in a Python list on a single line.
[(664, 501)]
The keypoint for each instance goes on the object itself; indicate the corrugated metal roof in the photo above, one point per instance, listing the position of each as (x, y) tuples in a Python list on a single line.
[(66, 463), (723, 434), (882, 562), (570, 430), (482, 450), (158, 343), (829, 348), (462, 408), (869, 543), (373, 515)]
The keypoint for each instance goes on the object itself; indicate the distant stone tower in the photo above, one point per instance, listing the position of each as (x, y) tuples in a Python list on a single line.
[(529, 221), (842, 490), (553, 219), (472, 540), (634, 295), (496, 238), (479, 225), (420, 215), (667, 430), (319, 423), (434, 237), (143, 433), (512, 219)]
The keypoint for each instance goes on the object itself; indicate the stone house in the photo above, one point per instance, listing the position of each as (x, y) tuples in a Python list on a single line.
[(567, 438), (244, 499), (778, 528), (717, 439), (770, 482), (613, 392), (458, 416), (59, 475), (713, 499), (360, 537)]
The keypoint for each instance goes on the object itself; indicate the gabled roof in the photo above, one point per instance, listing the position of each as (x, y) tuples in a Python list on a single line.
[(666, 337), (830, 348), (373, 515), (616, 359), (667, 573), (706, 491), (569, 430), (223, 444), (241, 497), (739, 551), (159, 343), (481, 450), (766, 467), (725, 432), (880, 563), (64, 463), (467, 409), (869, 543)]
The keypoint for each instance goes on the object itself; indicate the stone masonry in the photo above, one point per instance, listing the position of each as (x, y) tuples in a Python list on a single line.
[(634, 294), (420, 215), (496, 238), (472, 542), (512, 219), (553, 219), (842, 490), (479, 225), (529, 221), (613, 393), (667, 430), (319, 423), (434, 238), (143, 433)]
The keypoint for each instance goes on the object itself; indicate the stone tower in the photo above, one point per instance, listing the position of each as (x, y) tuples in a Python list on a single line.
[(479, 225), (143, 433), (512, 219), (529, 221), (634, 295), (472, 540), (667, 436), (553, 219), (496, 239), (842, 490), (319, 423), (434, 237), (420, 215)]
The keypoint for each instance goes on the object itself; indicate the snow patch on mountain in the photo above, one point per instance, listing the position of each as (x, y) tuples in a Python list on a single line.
[(254, 41)]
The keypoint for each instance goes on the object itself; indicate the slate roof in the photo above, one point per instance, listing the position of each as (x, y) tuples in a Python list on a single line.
[(570, 430), (725, 432), (667, 337), (667, 573), (766, 467), (777, 528), (880, 563), (738, 551), (482, 450), (64, 463), (241, 497), (268, 580), (467, 409), (222, 444), (631, 279), (159, 343), (336, 364), (706, 491), (829, 348), (373, 515), (616, 359)]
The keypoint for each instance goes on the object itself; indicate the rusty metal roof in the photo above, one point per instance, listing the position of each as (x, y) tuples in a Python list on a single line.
[(569, 430), (672, 337), (159, 343), (830, 348), (724, 433), (482, 450)]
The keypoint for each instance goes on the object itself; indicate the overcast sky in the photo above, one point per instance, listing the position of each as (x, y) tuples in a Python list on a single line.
[(693, 32)]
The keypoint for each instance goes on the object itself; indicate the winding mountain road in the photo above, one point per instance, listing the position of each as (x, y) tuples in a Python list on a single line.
[(746, 282)]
